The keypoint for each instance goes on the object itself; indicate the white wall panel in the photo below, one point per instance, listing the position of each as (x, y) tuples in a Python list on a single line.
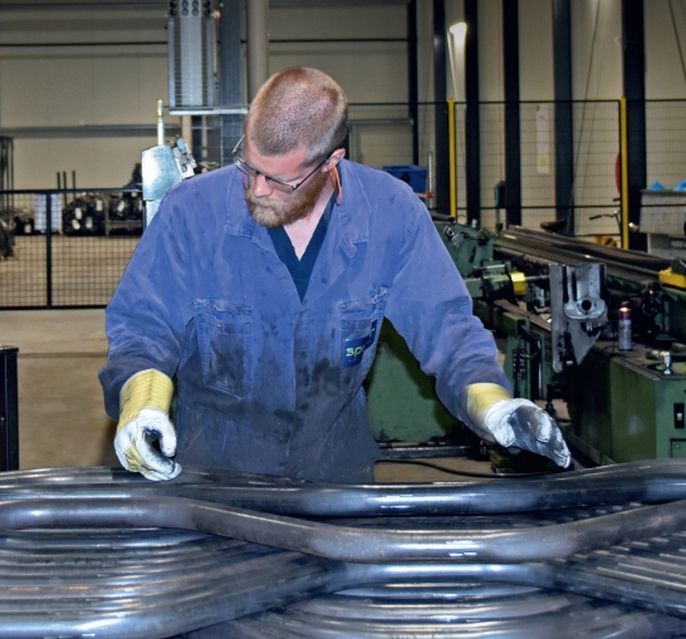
[(490, 50), (98, 162), (665, 31), (67, 86), (535, 50), (596, 49)]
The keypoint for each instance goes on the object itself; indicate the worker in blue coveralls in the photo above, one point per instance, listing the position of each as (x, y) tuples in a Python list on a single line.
[(253, 302)]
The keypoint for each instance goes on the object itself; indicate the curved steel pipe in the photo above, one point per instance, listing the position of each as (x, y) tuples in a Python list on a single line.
[(347, 543), (220, 597), (152, 583), (647, 482)]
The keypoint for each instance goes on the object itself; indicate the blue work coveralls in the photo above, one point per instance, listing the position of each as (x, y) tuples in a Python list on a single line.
[(268, 383)]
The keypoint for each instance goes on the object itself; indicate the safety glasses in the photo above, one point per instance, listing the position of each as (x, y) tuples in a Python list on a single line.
[(276, 184)]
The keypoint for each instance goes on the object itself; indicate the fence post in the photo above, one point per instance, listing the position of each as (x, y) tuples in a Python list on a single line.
[(9, 409), (48, 248)]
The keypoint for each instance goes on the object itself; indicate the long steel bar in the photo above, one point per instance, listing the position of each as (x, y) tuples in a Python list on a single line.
[(631, 265)]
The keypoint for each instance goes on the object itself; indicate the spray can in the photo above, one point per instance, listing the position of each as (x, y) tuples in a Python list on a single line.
[(624, 327)]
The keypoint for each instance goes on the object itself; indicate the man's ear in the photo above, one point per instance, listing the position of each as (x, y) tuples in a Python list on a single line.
[(335, 158)]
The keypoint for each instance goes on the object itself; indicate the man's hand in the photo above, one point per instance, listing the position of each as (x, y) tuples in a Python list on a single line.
[(134, 445), (522, 424), (145, 438), (519, 423)]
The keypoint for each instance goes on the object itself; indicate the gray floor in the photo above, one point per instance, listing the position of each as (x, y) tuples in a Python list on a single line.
[(62, 421)]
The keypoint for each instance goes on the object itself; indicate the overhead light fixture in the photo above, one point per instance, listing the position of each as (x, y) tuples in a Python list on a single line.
[(458, 31), (457, 34)]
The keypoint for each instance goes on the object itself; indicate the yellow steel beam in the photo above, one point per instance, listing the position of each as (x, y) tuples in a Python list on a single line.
[(452, 157)]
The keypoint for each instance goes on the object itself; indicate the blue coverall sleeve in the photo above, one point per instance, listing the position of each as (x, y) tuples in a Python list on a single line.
[(145, 317), (429, 305)]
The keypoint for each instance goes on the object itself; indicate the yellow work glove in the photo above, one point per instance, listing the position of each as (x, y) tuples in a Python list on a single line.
[(519, 423), (144, 403)]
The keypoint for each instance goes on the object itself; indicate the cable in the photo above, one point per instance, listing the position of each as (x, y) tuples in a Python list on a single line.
[(463, 473), (678, 40), (576, 158)]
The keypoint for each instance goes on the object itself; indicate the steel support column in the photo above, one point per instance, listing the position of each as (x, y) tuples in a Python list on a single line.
[(231, 74), (472, 115), (513, 182), (564, 126), (412, 75), (442, 178), (634, 91)]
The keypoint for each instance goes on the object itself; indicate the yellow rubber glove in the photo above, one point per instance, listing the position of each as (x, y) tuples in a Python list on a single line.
[(144, 403), (520, 423)]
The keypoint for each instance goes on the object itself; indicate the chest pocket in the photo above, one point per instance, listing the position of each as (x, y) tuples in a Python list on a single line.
[(224, 337), (360, 325)]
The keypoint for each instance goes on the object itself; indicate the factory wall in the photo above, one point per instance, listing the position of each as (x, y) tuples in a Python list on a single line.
[(369, 71), (665, 79), (46, 87), (77, 86)]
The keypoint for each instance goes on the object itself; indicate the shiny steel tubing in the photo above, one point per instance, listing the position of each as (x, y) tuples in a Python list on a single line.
[(648, 482), (583, 620), (344, 606), (268, 575), (583, 576), (99, 586), (440, 590), (155, 583), (347, 543), (241, 592), (548, 247)]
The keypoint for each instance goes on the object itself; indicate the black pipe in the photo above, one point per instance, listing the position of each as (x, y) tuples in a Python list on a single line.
[(472, 113), (513, 180), (564, 116), (9, 409), (412, 77), (48, 247)]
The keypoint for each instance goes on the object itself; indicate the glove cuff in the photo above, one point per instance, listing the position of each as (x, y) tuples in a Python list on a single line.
[(149, 388), (481, 397)]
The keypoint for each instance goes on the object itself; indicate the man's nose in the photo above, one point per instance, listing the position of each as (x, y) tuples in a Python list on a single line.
[(261, 186)]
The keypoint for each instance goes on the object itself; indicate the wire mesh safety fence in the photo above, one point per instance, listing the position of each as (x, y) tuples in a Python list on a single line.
[(666, 143), (67, 248), (596, 185), (382, 135), (663, 203), (78, 258), (492, 161), (548, 170)]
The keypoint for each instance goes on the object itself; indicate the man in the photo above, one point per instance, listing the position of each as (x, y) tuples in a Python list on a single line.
[(256, 297)]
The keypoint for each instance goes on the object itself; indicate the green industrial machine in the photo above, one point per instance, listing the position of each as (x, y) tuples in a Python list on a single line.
[(402, 405), (553, 305), (627, 405)]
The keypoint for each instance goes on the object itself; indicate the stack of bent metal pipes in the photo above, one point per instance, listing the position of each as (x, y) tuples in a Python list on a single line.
[(98, 552)]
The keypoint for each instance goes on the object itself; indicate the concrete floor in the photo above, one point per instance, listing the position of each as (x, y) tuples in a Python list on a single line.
[(62, 421)]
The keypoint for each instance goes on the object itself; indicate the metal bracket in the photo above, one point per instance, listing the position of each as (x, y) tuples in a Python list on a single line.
[(578, 311)]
